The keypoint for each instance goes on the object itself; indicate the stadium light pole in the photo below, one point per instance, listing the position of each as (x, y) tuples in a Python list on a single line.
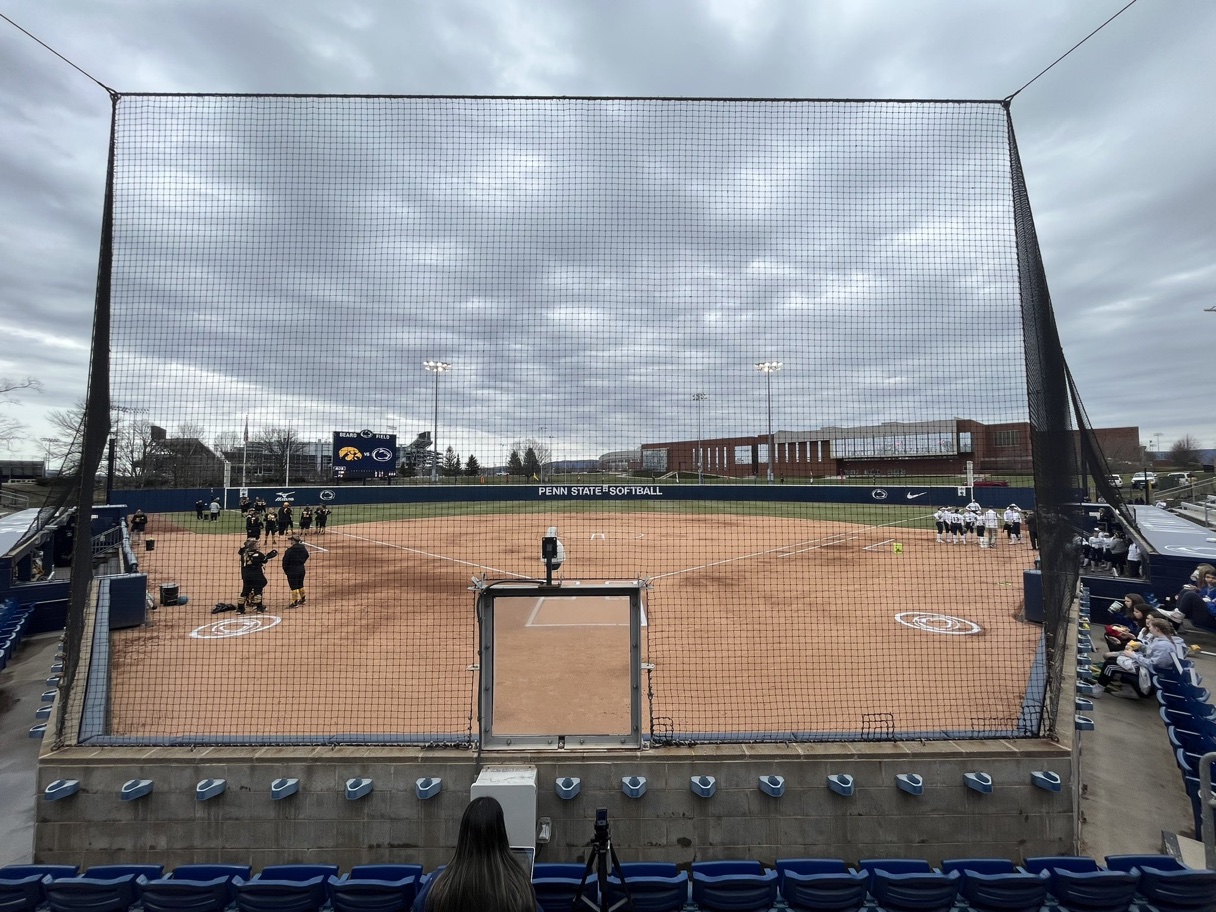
[(699, 398), (436, 368), (768, 368)]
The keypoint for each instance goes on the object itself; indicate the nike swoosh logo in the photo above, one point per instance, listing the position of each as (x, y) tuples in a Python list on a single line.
[(912, 496)]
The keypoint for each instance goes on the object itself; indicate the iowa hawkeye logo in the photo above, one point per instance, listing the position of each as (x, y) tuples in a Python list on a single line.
[(354, 454)]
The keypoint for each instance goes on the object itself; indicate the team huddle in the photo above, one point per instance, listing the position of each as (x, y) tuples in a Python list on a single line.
[(265, 521), (973, 523)]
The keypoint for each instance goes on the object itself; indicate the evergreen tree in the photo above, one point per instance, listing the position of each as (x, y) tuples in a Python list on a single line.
[(531, 464), (472, 467), (451, 463), (515, 465)]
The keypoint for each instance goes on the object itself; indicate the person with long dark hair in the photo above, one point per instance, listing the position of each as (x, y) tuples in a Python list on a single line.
[(483, 874)]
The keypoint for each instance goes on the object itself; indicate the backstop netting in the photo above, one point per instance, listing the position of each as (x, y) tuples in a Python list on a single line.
[(770, 357)]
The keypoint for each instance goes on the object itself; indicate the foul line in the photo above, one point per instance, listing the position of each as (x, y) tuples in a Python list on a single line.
[(812, 543), (442, 557)]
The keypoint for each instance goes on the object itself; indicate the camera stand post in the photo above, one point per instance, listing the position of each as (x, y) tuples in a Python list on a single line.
[(602, 859)]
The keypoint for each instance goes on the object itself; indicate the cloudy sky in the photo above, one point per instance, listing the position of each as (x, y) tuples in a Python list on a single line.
[(587, 267)]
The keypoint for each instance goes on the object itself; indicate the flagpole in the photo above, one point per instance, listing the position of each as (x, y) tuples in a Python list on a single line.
[(245, 451)]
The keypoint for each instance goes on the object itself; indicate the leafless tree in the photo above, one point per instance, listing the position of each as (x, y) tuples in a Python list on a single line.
[(277, 452), (1185, 452), (11, 428)]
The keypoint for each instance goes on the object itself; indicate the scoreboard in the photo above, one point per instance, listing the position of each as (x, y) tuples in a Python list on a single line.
[(364, 454)]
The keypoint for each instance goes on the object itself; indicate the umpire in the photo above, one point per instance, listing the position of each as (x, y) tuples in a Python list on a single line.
[(253, 576), (294, 559)]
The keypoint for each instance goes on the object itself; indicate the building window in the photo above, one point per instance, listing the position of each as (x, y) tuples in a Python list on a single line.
[(1005, 438)]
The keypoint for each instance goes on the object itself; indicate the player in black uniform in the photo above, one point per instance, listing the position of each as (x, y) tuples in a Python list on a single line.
[(322, 516), (287, 522), (253, 576), (294, 559), (253, 524)]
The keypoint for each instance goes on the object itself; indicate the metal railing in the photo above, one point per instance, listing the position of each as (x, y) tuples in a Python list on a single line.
[(13, 500), (1207, 809), (107, 541)]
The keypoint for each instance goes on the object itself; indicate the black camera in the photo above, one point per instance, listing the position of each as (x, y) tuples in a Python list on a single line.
[(601, 824)]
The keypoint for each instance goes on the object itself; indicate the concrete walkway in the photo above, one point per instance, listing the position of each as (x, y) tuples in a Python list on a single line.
[(22, 684), (1131, 789)]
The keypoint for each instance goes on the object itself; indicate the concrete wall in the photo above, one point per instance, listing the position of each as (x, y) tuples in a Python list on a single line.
[(668, 823)]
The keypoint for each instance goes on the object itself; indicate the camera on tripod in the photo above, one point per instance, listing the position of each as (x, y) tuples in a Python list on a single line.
[(601, 827), (602, 864)]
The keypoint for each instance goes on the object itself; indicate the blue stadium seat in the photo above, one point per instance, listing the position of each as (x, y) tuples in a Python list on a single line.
[(93, 894), (173, 894), (1197, 724), (298, 871), (42, 870), (733, 886), (1093, 890), (386, 872), (654, 886), (110, 871), (556, 884), (1041, 863), (894, 866), (821, 883), (21, 894), (233, 872), (914, 891), (1160, 862), (1008, 891), (1174, 890), (1189, 741), (1185, 702), (367, 894), (979, 865), (264, 895)]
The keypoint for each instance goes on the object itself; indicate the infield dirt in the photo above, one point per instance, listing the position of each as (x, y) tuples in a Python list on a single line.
[(754, 624)]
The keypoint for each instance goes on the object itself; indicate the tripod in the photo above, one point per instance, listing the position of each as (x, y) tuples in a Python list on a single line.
[(603, 860)]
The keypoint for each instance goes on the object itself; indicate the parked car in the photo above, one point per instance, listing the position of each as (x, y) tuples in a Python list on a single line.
[(1141, 479), (1115, 480), (1181, 478)]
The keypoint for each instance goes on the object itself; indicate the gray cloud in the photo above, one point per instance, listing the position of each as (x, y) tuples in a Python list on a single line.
[(547, 304)]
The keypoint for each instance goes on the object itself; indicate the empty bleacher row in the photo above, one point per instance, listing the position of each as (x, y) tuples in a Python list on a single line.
[(1125, 883), (14, 622), (1190, 725)]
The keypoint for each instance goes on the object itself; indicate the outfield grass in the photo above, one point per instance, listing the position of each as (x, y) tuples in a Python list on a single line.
[(231, 522)]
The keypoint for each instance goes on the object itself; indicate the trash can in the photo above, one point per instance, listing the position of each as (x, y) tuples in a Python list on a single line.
[(149, 544), (168, 593)]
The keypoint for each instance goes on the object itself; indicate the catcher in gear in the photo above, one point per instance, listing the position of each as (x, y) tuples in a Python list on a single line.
[(253, 576)]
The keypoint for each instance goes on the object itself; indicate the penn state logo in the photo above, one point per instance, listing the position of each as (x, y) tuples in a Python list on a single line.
[(879, 494)]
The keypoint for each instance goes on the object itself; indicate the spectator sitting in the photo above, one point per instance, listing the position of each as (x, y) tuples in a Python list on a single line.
[(1158, 651), (483, 874), (1128, 620), (1192, 603)]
